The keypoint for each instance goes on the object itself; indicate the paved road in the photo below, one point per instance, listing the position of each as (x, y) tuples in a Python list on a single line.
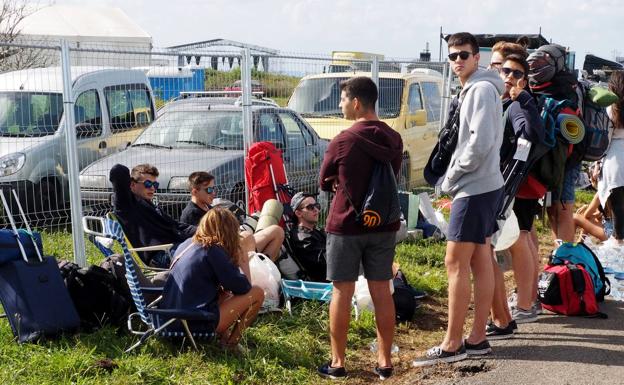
[(556, 350)]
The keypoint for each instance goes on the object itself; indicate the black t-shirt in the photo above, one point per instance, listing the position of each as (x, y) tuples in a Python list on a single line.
[(192, 214), (309, 248)]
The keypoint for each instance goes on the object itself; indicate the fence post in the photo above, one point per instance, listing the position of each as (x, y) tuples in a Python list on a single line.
[(375, 77), (72, 158), (247, 115)]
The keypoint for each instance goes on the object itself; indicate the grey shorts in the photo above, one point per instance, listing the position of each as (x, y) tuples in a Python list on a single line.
[(374, 251)]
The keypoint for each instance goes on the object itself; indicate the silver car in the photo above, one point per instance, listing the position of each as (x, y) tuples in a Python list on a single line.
[(197, 135)]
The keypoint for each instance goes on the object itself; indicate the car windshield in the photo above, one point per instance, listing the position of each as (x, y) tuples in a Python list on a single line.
[(321, 97), (30, 113), (184, 129)]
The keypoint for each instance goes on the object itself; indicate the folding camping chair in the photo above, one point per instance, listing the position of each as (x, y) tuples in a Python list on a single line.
[(105, 244), (316, 291), (158, 321)]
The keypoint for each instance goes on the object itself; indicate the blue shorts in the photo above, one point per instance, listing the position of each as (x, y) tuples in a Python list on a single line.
[(569, 184), (473, 218)]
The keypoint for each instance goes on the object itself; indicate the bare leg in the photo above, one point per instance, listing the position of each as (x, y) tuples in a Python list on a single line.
[(457, 261), (534, 245), (339, 317), (524, 269), (269, 241), (500, 311), (562, 221), (238, 312), (482, 271), (384, 319)]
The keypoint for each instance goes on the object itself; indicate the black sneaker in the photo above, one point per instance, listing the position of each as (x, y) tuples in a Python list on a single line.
[(383, 373), (481, 349), (494, 332), (436, 355), (514, 325), (419, 294), (327, 371)]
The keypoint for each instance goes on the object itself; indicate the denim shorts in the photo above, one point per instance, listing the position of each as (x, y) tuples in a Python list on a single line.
[(569, 184), (374, 251), (473, 218)]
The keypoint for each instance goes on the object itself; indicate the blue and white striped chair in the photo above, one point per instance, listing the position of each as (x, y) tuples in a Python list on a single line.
[(158, 321)]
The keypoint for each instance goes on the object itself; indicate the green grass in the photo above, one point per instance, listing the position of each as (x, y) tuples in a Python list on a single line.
[(282, 349)]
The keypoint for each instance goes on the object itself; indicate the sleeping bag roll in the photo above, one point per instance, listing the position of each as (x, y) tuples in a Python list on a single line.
[(270, 215), (571, 128)]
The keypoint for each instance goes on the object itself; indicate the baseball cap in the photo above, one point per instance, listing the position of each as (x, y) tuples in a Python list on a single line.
[(296, 200)]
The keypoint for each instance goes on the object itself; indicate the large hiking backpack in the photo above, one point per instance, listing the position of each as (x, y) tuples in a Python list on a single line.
[(593, 101), (97, 296), (549, 169), (579, 253), (567, 289)]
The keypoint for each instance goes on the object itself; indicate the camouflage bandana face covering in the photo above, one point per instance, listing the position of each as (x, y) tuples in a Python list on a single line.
[(541, 68)]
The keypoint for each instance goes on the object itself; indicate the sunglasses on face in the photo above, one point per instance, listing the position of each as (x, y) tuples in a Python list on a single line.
[(210, 189), (461, 54), (517, 74), (150, 184), (496, 64), (312, 206)]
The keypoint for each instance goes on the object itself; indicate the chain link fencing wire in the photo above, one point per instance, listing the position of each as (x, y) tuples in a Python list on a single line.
[(181, 111)]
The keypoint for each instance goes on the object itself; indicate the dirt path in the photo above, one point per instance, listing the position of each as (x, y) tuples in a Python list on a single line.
[(556, 350)]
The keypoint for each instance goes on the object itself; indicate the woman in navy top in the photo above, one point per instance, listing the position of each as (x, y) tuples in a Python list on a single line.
[(210, 272)]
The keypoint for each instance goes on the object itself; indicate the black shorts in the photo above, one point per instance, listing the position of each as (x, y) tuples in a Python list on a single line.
[(525, 210), (473, 218)]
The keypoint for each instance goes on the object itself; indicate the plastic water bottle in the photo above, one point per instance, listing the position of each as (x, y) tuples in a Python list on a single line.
[(373, 347)]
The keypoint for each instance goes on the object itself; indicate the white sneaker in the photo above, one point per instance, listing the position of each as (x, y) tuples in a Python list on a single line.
[(512, 301)]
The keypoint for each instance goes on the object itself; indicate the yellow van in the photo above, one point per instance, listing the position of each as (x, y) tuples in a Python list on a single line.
[(410, 103)]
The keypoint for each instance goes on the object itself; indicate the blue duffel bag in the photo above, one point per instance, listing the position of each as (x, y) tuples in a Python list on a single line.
[(9, 249)]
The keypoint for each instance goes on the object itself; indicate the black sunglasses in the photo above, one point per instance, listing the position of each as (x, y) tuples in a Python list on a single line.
[(517, 74), (462, 55), (312, 206), (150, 184), (210, 189)]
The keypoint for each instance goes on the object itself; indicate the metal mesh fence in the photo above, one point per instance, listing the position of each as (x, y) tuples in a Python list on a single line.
[(184, 111)]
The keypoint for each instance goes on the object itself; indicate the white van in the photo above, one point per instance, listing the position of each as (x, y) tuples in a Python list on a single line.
[(112, 107)]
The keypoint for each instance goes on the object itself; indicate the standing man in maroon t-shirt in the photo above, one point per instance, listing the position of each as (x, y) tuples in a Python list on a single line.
[(346, 170)]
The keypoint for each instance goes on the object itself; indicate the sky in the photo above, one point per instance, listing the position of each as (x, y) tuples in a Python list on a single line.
[(397, 29)]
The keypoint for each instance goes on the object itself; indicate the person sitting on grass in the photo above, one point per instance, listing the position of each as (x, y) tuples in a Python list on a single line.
[(592, 220), (203, 192), (211, 272)]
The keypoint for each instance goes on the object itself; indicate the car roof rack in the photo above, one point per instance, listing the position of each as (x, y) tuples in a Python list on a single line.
[(257, 100), (207, 94)]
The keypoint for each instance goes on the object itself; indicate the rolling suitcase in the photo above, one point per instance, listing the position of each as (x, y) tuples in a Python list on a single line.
[(32, 293)]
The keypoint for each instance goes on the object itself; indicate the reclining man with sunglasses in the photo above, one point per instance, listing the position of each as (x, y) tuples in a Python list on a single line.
[(309, 242), (267, 241), (144, 223)]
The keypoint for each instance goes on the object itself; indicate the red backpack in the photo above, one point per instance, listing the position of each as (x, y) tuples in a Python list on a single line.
[(569, 290)]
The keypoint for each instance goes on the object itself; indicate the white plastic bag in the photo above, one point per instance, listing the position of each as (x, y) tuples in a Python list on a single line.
[(508, 232), (362, 294), (266, 275)]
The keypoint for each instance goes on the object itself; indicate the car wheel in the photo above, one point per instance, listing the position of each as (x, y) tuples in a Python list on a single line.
[(49, 202), (238, 196), (403, 182)]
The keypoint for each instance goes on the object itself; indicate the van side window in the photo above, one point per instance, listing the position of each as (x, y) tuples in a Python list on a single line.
[(414, 102), (128, 106), (432, 96), (88, 115)]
